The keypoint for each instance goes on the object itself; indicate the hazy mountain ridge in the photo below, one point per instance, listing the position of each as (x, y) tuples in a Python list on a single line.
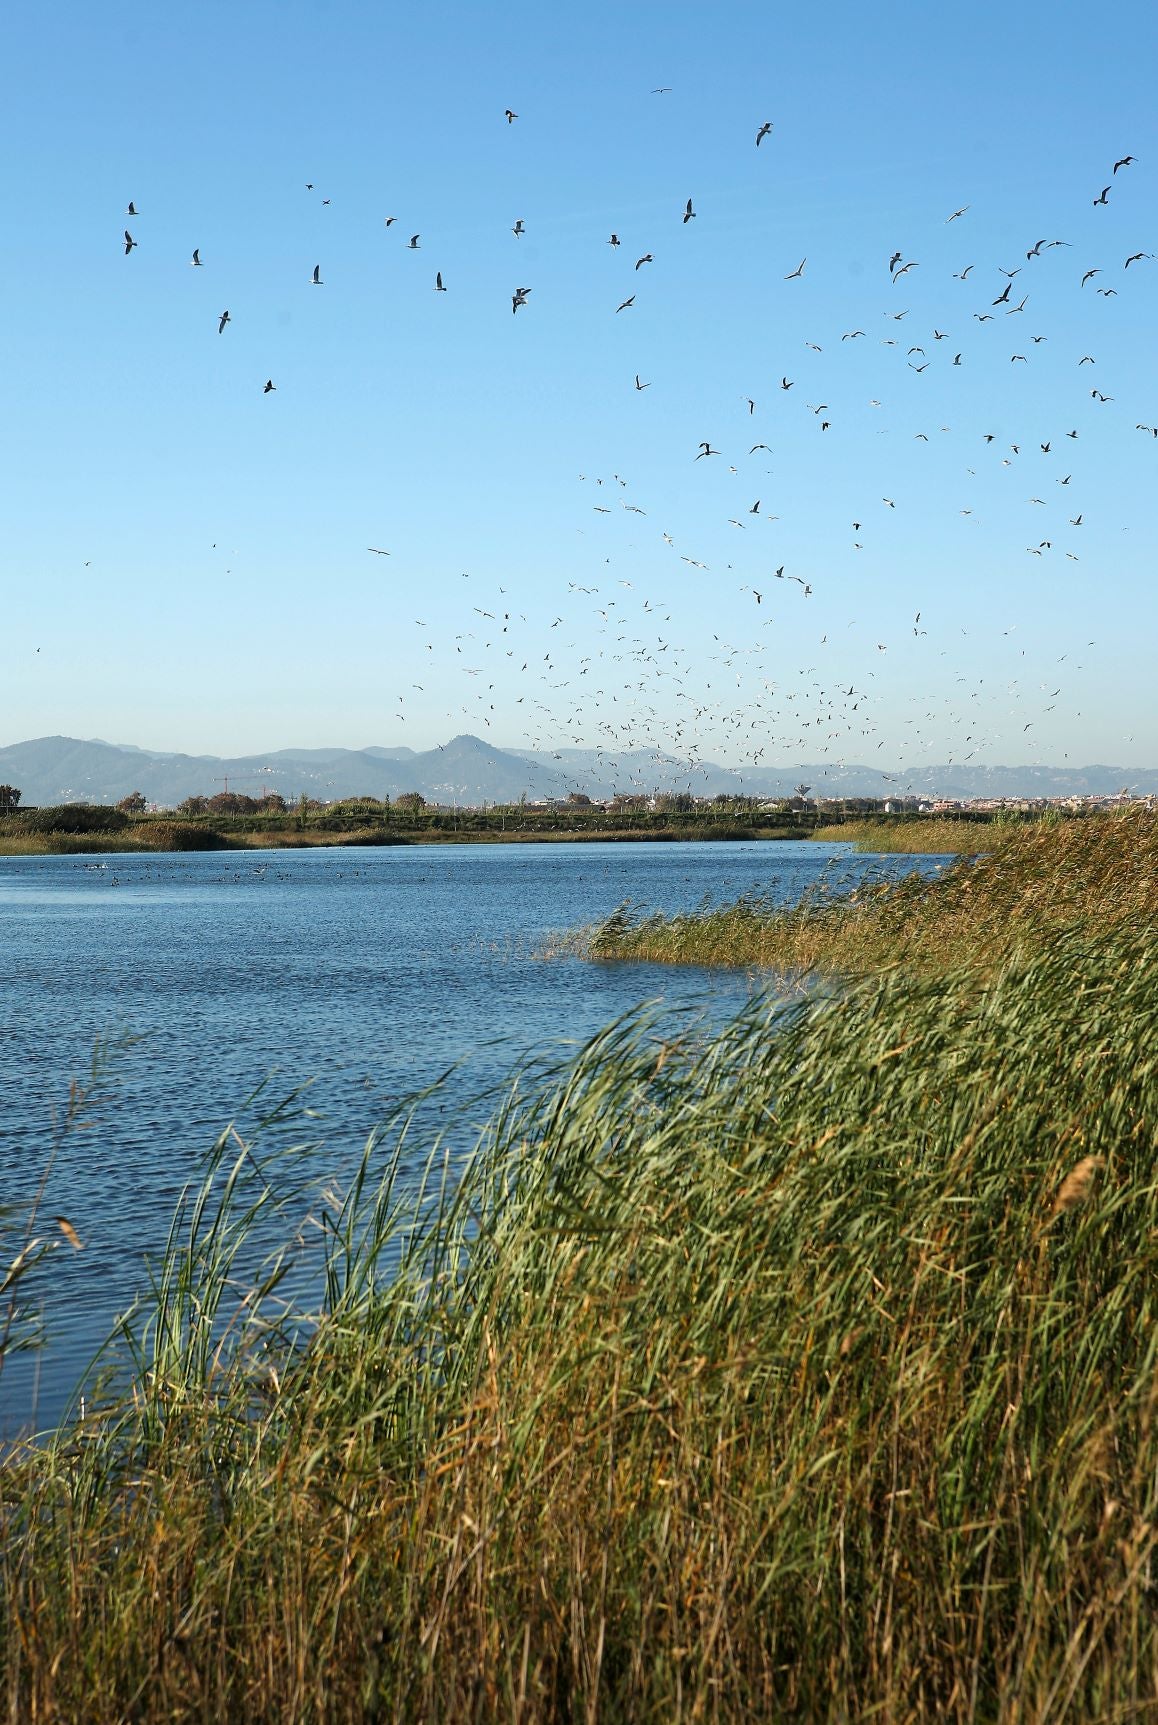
[(468, 770)]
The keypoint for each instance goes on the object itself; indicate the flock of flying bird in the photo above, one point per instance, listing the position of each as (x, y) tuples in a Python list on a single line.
[(625, 692)]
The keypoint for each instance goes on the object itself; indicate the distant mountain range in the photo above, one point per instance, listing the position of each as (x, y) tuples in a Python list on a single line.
[(469, 771)]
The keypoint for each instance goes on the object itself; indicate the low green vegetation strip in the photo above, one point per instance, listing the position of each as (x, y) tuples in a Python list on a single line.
[(83, 828), (808, 1371), (1096, 874)]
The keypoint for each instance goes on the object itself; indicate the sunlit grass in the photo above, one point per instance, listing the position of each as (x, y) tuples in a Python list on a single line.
[(804, 1370), (809, 1371), (926, 836), (1097, 874)]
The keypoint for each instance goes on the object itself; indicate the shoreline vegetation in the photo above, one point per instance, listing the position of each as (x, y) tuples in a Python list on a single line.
[(78, 829), (807, 1369), (1036, 882)]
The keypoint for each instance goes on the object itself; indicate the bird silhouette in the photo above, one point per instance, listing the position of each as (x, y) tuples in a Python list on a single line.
[(195, 260), (270, 386), (316, 278), (222, 321), (763, 133), (689, 213), (130, 242), (511, 116), (797, 272)]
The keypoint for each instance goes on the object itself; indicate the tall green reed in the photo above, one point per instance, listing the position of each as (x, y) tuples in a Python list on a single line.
[(804, 1369)]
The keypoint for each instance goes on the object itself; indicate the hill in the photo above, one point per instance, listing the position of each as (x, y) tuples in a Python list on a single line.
[(469, 771)]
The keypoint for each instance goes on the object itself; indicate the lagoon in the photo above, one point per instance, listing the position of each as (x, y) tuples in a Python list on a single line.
[(366, 974)]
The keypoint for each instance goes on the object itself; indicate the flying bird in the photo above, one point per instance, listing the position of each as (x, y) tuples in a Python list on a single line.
[(316, 278), (270, 386), (511, 116), (1105, 197), (519, 230), (763, 133), (1124, 163), (625, 304), (614, 240), (130, 242), (957, 213), (689, 213), (438, 287), (222, 321), (798, 271), (132, 210), (195, 260), (645, 259), (377, 551), (414, 245), (639, 385), (705, 449)]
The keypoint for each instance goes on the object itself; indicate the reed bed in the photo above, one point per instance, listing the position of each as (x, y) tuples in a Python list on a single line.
[(924, 836), (1097, 874), (807, 1370)]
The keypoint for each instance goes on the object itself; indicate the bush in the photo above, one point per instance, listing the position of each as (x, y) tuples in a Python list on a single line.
[(72, 818)]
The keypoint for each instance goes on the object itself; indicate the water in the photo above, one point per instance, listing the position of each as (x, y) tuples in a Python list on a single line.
[(369, 972)]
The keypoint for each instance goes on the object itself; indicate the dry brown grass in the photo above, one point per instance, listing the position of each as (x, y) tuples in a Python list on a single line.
[(1096, 874), (925, 836)]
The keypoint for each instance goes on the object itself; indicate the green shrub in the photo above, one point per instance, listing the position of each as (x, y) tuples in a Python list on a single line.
[(71, 818)]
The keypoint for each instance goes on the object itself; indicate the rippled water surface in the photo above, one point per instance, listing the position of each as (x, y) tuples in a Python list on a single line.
[(369, 972)]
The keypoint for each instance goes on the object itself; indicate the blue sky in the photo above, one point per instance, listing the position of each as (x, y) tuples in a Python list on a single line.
[(185, 557)]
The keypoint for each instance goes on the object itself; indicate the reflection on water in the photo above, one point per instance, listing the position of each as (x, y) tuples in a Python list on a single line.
[(367, 973)]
